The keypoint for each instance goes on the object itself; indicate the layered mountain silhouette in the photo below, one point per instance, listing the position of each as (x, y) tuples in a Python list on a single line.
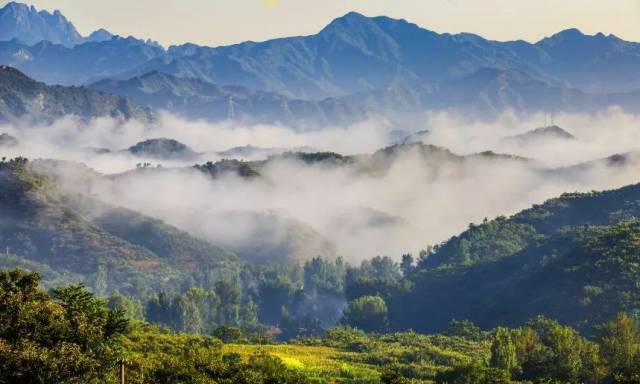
[(199, 99), (84, 63), (355, 66), (355, 53), (485, 92)]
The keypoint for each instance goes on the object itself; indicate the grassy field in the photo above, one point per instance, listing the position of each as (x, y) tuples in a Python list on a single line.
[(326, 364), (342, 356)]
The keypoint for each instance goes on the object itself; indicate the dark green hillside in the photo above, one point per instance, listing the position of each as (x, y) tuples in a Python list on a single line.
[(79, 235), (575, 258), (501, 237)]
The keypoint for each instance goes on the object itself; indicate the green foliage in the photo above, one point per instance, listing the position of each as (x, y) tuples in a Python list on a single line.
[(488, 241), (131, 307), (69, 338), (619, 341), (473, 374), (230, 334), (72, 337), (503, 351), (547, 350), (567, 260), (466, 329), (368, 313), (110, 249)]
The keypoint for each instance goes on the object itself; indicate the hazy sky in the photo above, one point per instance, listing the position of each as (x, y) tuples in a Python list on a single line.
[(217, 22)]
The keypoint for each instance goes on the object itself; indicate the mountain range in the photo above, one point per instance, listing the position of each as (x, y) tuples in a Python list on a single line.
[(354, 66), (25, 23), (24, 99)]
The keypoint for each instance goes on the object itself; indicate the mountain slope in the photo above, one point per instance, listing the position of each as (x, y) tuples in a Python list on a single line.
[(84, 63), (24, 98), (594, 63), (574, 258), (355, 53), (197, 99), (352, 54), (81, 235), (485, 92), (372, 64)]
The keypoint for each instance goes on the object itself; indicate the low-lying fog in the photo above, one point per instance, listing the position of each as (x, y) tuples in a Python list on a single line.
[(414, 202)]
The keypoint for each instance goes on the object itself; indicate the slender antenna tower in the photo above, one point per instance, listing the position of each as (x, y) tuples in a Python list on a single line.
[(231, 110)]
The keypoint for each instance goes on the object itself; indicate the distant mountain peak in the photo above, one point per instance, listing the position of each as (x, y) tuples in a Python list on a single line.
[(18, 20), (551, 132), (347, 22), (573, 35), (569, 32), (100, 35), (353, 16)]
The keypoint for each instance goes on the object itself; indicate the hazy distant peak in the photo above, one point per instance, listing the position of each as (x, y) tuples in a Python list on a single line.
[(24, 22), (100, 35), (552, 132), (351, 23)]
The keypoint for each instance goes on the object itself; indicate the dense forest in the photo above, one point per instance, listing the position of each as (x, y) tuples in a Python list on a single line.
[(69, 336)]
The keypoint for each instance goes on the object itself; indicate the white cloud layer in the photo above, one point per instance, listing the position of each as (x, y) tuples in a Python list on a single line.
[(413, 203)]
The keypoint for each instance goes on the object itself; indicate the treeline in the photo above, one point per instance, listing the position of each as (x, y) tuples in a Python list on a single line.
[(297, 299), (543, 351), (70, 336)]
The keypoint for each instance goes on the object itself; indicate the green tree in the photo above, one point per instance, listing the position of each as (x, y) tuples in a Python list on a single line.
[(473, 374), (229, 292), (68, 338), (130, 306), (619, 341), (503, 351), (368, 313), (250, 313)]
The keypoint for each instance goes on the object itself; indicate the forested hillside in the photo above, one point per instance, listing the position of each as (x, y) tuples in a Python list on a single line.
[(112, 248), (574, 258)]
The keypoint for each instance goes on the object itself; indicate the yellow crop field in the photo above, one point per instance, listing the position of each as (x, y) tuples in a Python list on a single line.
[(326, 364)]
